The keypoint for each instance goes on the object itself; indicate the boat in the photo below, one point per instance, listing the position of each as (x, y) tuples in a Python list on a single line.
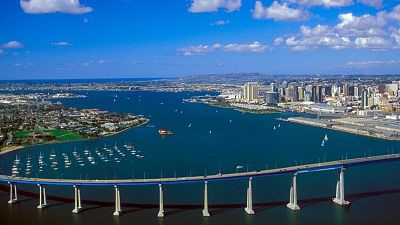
[(279, 125), (210, 132), (190, 124), (274, 128), (326, 137), (323, 143), (239, 167), (164, 132)]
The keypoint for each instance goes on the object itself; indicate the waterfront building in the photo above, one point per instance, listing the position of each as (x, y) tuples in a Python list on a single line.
[(272, 98), (251, 92)]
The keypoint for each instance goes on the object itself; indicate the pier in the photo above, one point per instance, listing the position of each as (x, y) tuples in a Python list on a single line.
[(295, 171)]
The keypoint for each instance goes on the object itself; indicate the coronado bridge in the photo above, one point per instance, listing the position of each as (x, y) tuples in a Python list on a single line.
[(340, 165)]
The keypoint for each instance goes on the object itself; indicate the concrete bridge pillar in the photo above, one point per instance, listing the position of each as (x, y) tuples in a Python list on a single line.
[(42, 197), (13, 193), (161, 207), (249, 204), (205, 209), (118, 210), (293, 195), (78, 205), (339, 199)]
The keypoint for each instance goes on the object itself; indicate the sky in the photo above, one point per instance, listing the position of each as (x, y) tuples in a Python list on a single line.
[(70, 39)]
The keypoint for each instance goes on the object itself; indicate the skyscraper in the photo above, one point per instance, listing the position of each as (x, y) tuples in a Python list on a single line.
[(364, 99), (251, 92)]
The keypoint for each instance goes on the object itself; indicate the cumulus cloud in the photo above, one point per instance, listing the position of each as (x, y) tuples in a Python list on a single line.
[(12, 44), (53, 6), (61, 43), (233, 47), (357, 32), (352, 25), (395, 14), (373, 3), (279, 12), (198, 6), (396, 37), (325, 3)]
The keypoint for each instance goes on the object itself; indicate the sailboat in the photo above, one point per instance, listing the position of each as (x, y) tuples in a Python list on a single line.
[(210, 132), (115, 100), (274, 128), (279, 125), (190, 124), (326, 137), (323, 143)]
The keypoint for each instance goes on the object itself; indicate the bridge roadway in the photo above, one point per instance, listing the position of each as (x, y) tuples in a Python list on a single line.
[(307, 168)]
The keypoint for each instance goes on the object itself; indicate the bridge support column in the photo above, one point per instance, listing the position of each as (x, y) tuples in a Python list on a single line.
[(42, 197), (78, 205), (161, 210), (13, 193), (118, 210), (249, 204), (293, 195), (339, 199), (205, 209)]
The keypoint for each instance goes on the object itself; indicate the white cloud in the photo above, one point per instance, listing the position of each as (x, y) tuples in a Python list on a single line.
[(395, 14), (53, 6), (198, 6), (12, 44), (199, 49), (62, 43), (396, 37), (369, 25), (373, 43), (373, 3), (233, 47), (279, 12), (370, 63), (251, 47), (325, 3), (219, 22)]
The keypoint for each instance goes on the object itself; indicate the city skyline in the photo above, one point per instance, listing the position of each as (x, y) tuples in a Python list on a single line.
[(83, 39)]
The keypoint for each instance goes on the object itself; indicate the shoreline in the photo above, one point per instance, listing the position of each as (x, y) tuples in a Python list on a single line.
[(333, 126), (20, 147)]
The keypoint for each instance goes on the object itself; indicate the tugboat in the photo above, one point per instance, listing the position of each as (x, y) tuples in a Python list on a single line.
[(164, 132)]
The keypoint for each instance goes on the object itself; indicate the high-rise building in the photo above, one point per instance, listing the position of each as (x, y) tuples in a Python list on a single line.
[(357, 91), (364, 99), (251, 92), (346, 90), (273, 87), (301, 93), (271, 98)]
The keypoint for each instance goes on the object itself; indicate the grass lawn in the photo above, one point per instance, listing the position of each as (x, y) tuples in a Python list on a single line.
[(62, 135)]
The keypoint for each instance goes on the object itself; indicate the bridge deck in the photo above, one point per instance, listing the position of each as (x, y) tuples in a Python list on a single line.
[(315, 167)]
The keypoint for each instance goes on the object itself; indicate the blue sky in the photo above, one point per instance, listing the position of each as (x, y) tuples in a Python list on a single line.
[(140, 38)]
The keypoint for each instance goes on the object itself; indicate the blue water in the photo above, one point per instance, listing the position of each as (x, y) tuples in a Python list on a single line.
[(236, 139)]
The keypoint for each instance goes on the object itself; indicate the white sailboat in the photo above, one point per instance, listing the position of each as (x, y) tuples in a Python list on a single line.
[(326, 137), (323, 143), (190, 124)]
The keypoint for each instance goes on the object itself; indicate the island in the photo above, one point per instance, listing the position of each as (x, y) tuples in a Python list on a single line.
[(27, 120)]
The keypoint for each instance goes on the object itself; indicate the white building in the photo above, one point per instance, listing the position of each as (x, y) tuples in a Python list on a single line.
[(251, 92)]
